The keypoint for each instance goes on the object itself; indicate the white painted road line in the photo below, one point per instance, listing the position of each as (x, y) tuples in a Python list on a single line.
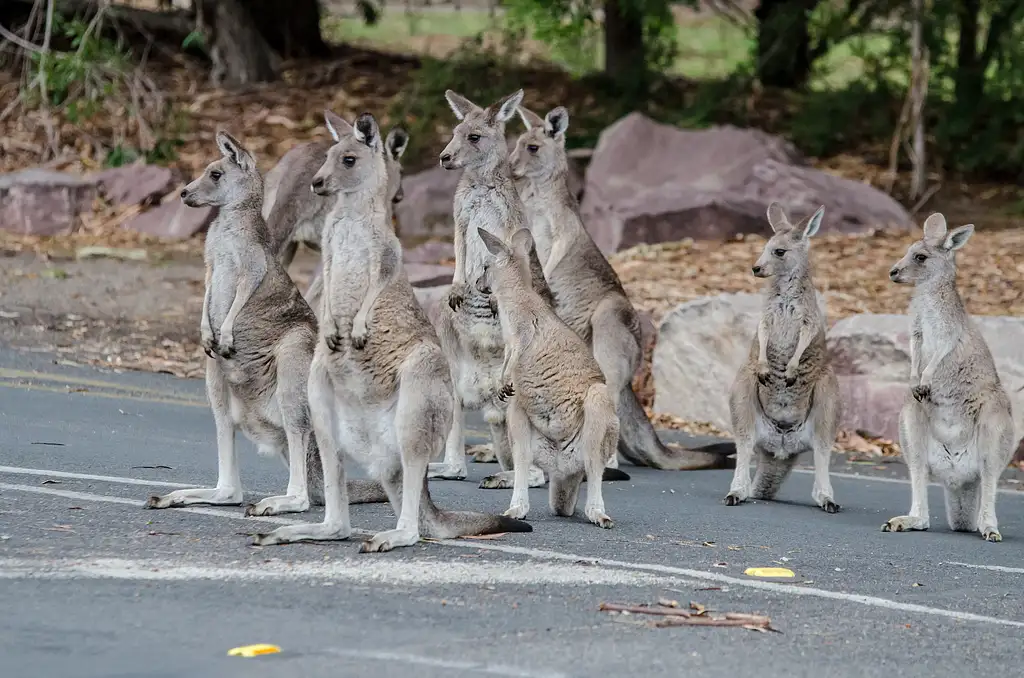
[(992, 568), (898, 481), (489, 669), (541, 554), (18, 470)]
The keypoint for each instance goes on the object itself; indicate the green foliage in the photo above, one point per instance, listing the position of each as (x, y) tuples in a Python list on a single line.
[(571, 30)]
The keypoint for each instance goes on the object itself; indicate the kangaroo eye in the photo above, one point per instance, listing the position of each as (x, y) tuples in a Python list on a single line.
[(533, 148), (348, 160), (779, 252), (216, 175), (473, 138), (920, 258)]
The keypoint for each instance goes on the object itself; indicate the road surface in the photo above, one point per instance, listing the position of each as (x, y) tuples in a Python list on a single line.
[(94, 585)]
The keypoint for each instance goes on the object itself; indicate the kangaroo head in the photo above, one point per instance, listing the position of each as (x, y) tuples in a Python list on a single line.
[(788, 248), (479, 138), (540, 151), (227, 181), (355, 161), (932, 256), (395, 144), (509, 264)]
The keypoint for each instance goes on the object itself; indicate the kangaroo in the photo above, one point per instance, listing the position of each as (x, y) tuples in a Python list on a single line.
[(468, 327), (956, 422), (560, 411), (785, 399), (298, 216), (589, 296), (380, 389), (258, 335)]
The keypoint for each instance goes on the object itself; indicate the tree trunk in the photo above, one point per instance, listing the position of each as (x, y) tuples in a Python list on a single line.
[(240, 54), (292, 28), (969, 81), (783, 42), (624, 55)]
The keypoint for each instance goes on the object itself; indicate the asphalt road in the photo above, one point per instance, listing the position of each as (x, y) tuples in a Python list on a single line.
[(93, 585)]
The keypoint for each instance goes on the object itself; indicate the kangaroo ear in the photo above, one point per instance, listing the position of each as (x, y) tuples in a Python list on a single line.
[(506, 108), (530, 119), (460, 105), (777, 218), (492, 242), (231, 149), (522, 241), (556, 122), (958, 237), (814, 223), (366, 131), (397, 141), (935, 228), (336, 126)]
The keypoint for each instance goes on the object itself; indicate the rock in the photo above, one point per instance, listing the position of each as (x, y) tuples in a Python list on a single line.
[(649, 182), (429, 275), (871, 356), (43, 202), (431, 252), (430, 299), (135, 184), (701, 345), (172, 220), (426, 209)]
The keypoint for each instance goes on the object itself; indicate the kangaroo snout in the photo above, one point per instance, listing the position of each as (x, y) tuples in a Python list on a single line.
[(446, 160), (894, 274), (317, 186), (757, 270)]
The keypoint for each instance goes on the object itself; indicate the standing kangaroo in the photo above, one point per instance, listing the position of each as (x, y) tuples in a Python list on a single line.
[(258, 335), (468, 327), (380, 389), (560, 412), (588, 294), (785, 399), (956, 422), (296, 215)]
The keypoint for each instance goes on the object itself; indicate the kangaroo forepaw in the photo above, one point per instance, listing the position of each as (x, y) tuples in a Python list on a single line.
[(493, 303), (226, 348), (790, 379), (506, 392), (209, 345), (734, 499), (991, 534), (359, 339), (456, 296), (830, 506), (333, 341), (599, 518), (904, 524), (921, 392), (517, 511), (763, 375)]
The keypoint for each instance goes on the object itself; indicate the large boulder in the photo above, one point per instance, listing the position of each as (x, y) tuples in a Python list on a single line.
[(701, 346), (43, 202), (871, 355), (648, 182), (426, 208), (172, 220), (136, 184)]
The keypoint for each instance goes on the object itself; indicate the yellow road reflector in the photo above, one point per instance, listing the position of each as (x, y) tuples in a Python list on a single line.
[(768, 572), (253, 650)]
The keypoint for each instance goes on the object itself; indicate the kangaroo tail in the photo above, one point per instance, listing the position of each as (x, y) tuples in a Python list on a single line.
[(314, 473), (771, 472), (612, 474), (436, 523), (639, 443)]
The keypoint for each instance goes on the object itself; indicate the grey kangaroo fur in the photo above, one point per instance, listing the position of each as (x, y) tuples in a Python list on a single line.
[(560, 412), (785, 399), (296, 215), (258, 335), (588, 294), (468, 327), (956, 423), (380, 390)]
